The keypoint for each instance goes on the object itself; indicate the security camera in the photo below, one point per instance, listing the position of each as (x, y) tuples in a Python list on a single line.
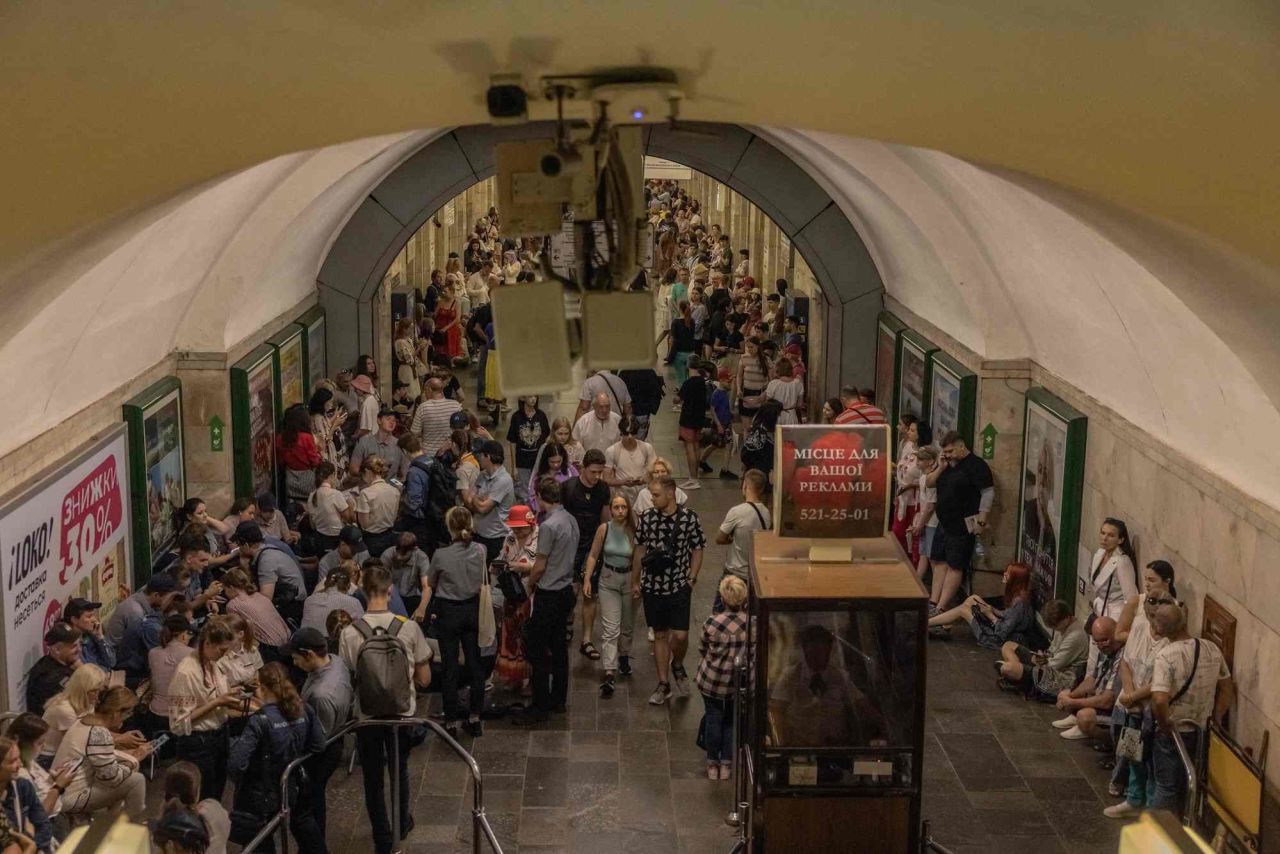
[(507, 100), (560, 163)]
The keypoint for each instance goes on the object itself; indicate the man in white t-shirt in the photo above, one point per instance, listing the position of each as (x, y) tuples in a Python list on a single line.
[(628, 461), (598, 429), (1191, 681), (739, 524), (375, 743), (611, 386)]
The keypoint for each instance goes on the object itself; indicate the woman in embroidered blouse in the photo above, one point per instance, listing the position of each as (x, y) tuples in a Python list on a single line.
[(106, 776), (200, 705)]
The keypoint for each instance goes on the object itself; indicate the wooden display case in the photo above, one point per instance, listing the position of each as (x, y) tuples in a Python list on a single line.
[(835, 726)]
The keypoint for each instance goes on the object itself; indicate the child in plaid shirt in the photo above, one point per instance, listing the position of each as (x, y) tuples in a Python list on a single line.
[(724, 637)]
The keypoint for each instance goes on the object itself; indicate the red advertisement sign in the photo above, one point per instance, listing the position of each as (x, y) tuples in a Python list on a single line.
[(833, 481), (91, 512)]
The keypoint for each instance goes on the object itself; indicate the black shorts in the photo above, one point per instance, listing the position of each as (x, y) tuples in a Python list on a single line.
[(670, 612), (1025, 657), (955, 550)]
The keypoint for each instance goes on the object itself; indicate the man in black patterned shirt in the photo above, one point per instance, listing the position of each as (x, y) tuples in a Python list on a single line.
[(664, 568)]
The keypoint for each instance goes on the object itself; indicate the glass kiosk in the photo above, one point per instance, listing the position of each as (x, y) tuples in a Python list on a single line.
[(835, 724)]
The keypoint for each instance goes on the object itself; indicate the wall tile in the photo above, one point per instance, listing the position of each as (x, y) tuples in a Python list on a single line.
[(1227, 549), (1178, 515), (1262, 583)]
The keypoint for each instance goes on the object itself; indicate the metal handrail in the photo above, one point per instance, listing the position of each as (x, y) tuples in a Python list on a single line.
[(1189, 768), (479, 820), (734, 819)]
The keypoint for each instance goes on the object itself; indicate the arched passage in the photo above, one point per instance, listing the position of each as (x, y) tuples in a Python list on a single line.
[(734, 155)]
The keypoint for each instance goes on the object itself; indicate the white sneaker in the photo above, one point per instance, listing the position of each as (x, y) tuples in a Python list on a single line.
[(1073, 734), (1064, 723), (651, 638), (659, 695), (689, 484), (1124, 809)]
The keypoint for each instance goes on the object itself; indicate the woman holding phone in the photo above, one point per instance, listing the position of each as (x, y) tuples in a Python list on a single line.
[(201, 704), (104, 776)]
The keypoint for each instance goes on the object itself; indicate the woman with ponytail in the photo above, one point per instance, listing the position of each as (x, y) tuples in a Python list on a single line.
[(284, 729), (452, 598)]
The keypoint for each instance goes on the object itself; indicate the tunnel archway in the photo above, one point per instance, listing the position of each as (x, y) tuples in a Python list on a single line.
[(739, 157)]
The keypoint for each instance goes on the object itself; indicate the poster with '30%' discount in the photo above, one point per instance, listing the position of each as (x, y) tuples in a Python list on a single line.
[(67, 534)]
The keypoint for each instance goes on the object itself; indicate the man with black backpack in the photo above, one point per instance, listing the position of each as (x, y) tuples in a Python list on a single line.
[(274, 570), (387, 656)]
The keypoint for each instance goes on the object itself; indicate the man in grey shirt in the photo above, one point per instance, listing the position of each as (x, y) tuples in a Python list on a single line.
[(408, 565), (272, 565), (491, 499), (381, 444), (551, 581), (350, 547), (329, 692), (131, 612)]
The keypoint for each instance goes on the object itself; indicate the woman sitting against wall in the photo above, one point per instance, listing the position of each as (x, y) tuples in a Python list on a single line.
[(993, 627)]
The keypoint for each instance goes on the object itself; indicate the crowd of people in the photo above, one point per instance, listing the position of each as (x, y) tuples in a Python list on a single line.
[(415, 549)]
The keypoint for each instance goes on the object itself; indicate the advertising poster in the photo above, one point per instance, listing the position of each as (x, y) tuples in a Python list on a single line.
[(291, 390), (262, 428), (834, 481), (911, 388), (944, 414), (156, 473), (1043, 465), (886, 352), (65, 535), (316, 368)]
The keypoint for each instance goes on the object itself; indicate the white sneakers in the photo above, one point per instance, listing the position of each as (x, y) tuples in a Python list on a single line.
[(1065, 723), (1124, 809), (1073, 734), (689, 484)]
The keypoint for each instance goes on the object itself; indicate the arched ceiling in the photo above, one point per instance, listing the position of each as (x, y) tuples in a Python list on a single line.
[(183, 169), (1166, 107)]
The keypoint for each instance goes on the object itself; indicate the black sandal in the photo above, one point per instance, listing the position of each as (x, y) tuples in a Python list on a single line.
[(588, 649)]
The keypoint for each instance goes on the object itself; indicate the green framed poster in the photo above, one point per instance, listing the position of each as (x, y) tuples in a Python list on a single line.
[(313, 332), (1054, 437), (888, 333), (912, 393), (291, 367), (253, 421), (157, 472), (953, 398)]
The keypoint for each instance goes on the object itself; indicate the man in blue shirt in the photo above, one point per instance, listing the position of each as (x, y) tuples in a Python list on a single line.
[(82, 615)]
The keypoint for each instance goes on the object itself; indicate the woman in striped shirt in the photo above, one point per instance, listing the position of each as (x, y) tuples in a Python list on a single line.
[(749, 384)]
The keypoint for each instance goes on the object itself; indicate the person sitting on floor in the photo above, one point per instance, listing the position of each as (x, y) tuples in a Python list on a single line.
[(993, 627), (1088, 705), (1041, 675)]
